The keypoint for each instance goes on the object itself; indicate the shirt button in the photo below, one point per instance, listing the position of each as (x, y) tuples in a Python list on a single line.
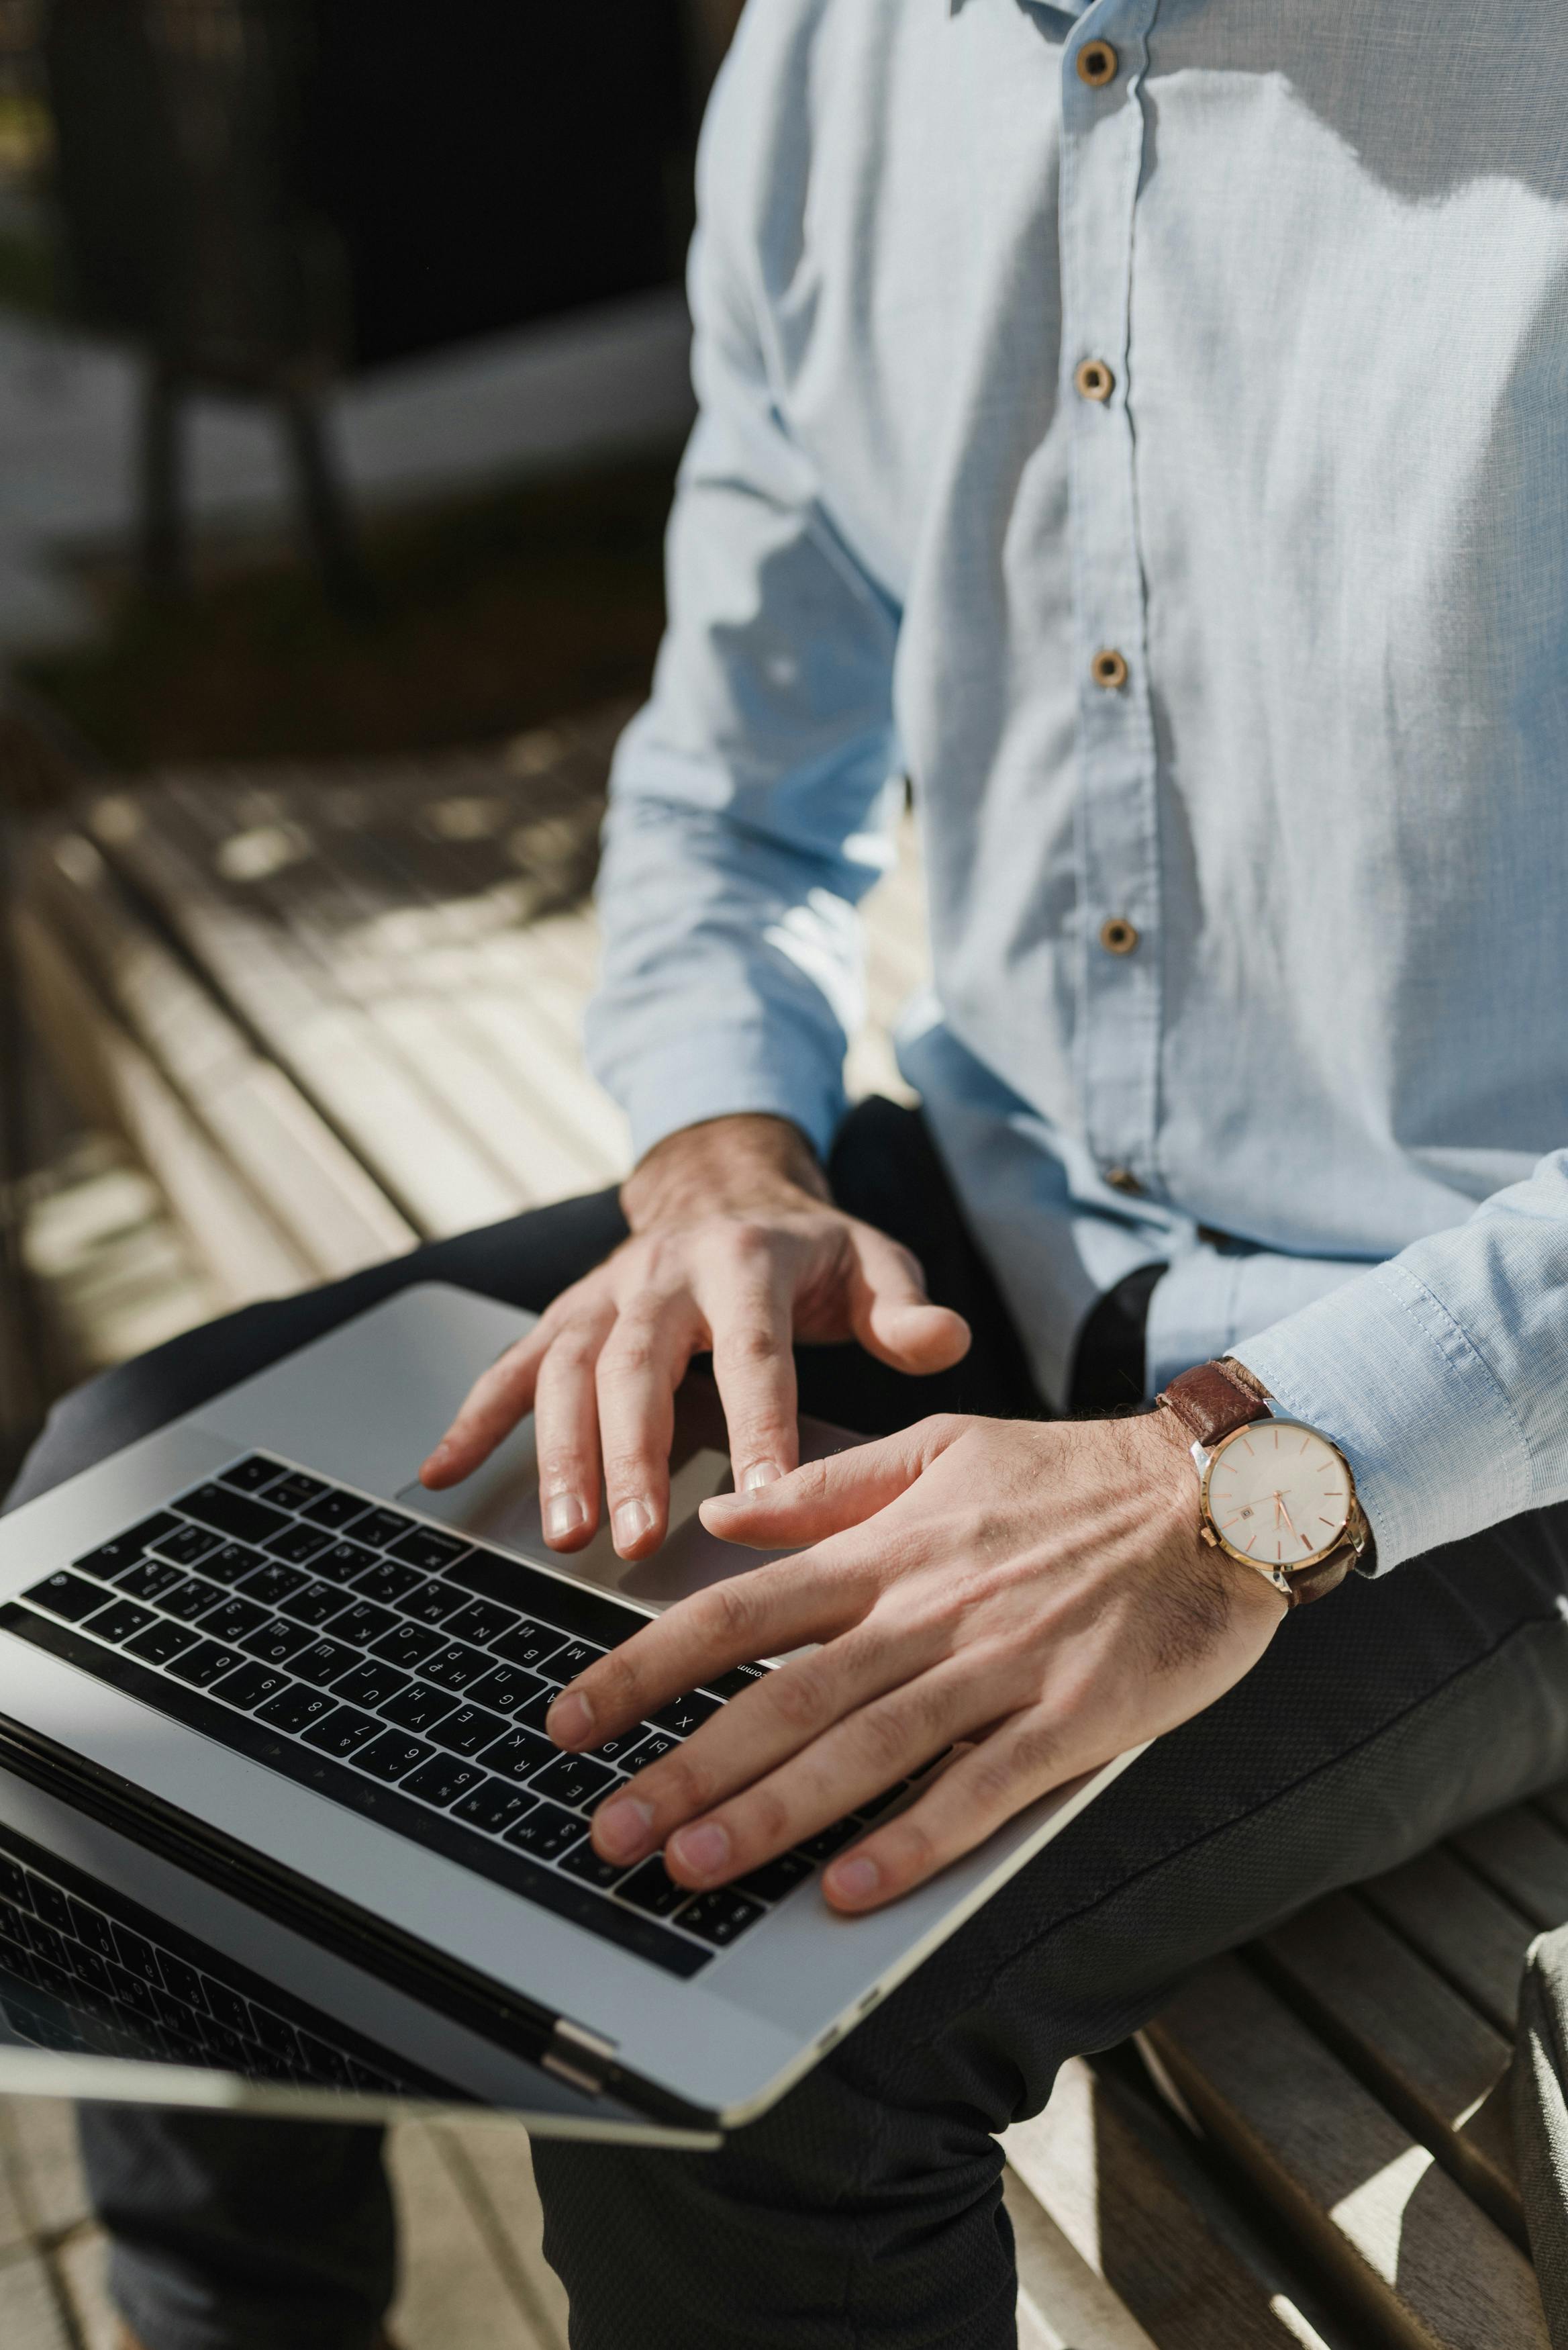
[(1117, 936), (1122, 1179), (1094, 380), (1108, 669), (1097, 63)]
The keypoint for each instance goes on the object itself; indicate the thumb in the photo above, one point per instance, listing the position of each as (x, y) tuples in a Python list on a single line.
[(824, 1497), (891, 1314)]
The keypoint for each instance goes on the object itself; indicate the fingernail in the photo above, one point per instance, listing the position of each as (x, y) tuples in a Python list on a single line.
[(624, 1829), (632, 1521), (704, 1851), (571, 1719), (760, 1473), (854, 1880), (564, 1513)]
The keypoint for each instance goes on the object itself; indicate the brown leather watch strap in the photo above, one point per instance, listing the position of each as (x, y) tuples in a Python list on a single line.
[(1211, 1400)]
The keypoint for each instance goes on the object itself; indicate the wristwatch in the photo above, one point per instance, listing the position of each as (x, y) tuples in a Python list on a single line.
[(1271, 1492)]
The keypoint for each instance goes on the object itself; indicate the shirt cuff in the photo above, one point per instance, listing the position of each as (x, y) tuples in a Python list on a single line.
[(726, 1073), (1382, 1367)]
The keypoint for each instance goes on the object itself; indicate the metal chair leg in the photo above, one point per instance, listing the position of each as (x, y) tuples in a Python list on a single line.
[(328, 515)]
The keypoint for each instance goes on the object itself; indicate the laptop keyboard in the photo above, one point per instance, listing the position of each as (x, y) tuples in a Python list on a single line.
[(406, 1674), (78, 1978)]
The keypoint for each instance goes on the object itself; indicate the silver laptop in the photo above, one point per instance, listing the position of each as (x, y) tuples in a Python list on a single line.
[(281, 1830)]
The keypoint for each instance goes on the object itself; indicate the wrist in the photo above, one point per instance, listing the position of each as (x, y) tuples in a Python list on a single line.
[(745, 1163)]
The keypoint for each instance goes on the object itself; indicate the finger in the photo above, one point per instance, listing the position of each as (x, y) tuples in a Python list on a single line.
[(640, 1364), (494, 1405), (745, 1302), (889, 1312), (566, 1428), (873, 1748), (759, 1730), (1025, 1757), (823, 1497), (763, 1614)]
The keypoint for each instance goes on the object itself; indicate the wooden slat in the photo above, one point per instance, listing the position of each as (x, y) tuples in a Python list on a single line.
[(1400, 2238), (1408, 2036), (1523, 1856), (1470, 1935)]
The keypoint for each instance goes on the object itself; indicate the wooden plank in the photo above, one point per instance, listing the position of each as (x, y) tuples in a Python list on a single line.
[(30, 2317), (1409, 2038), (1523, 1857), (1134, 2202), (452, 2289), (1062, 2303), (1470, 1935), (492, 2163), (1401, 2240)]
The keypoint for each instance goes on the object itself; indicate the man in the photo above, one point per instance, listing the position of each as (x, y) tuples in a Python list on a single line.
[(1146, 424)]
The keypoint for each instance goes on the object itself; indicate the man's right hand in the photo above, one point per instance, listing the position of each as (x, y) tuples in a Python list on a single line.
[(737, 1248)]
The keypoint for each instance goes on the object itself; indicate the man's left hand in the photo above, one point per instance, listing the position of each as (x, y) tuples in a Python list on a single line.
[(1033, 1596)]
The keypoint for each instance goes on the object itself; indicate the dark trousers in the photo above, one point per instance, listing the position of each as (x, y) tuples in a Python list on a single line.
[(866, 2210)]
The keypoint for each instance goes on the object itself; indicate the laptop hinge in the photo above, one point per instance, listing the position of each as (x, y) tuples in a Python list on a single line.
[(579, 2055)]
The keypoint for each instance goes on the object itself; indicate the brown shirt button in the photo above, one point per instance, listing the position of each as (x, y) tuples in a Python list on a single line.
[(1094, 380), (1117, 936), (1097, 63), (1108, 669), (1122, 1179)]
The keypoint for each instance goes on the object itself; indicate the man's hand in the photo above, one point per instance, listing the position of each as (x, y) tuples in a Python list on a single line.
[(1036, 1597), (736, 1246)]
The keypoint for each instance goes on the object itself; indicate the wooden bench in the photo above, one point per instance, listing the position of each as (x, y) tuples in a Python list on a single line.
[(336, 1011)]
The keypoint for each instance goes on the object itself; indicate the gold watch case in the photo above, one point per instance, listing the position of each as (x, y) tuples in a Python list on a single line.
[(1351, 1528)]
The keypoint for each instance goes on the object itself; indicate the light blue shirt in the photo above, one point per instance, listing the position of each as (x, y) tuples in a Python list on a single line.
[(1322, 517)]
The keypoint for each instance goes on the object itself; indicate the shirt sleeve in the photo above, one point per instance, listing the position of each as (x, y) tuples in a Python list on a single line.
[(750, 800), (1443, 1373)]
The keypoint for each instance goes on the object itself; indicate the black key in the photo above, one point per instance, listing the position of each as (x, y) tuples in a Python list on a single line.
[(335, 1509), (186, 1545), (362, 1622), (531, 1645), (417, 1707), (469, 1729), (616, 1750), (110, 1556), (534, 1710), (66, 1596), (344, 1731), (296, 1709), (429, 1551), (137, 1956), (205, 1663), (278, 2038), (546, 1832), (183, 1982), (317, 1605), (570, 1779), (720, 1916), (161, 1643), (407, 1645), (147, 1578), (481, 1621), (517, 1754), (297, 1490), (494, 1805), (456, 1666), (237, 1515), (324, 1661), (387, 1581), (652, 1750), (777, 1877), (234, 1620), (271, 1585), (325, 2063), (434, 1603), (53, 1905), (190, 1598), (383, 1526), (343, 1561), (225, 2006), (685, 1715), (584, 1861), (230, 1563), (441, 1783), (245, 1476), (91, 1926), (394, 1756), (507, 1686), (372, 1683), (297, 1545), (573, 1658), (251, 1686), (652, 1888), (121, 1621), (827, 1841), (738, 1678), (276, 1642)]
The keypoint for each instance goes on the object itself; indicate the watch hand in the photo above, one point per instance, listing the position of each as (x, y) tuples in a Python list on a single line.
[(1279, 1504)]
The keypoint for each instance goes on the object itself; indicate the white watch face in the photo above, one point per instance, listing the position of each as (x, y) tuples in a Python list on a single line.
[(1279, 1493)]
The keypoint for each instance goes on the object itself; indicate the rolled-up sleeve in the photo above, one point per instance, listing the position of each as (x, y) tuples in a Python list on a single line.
[(749, 800), (1443, 1373)]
